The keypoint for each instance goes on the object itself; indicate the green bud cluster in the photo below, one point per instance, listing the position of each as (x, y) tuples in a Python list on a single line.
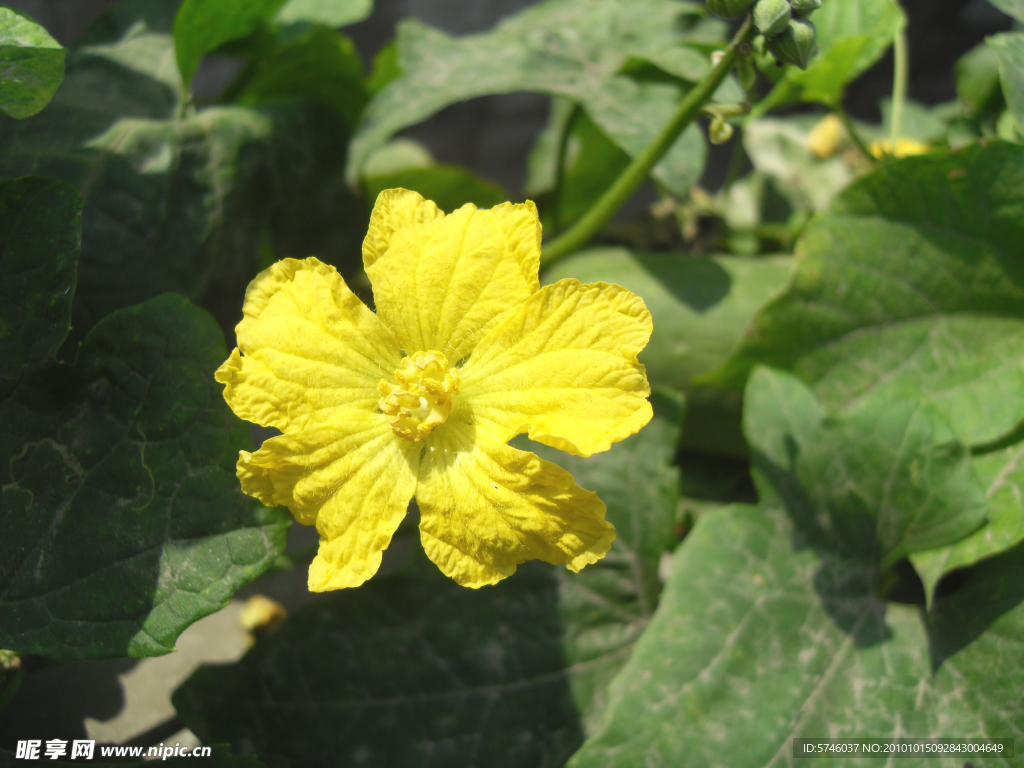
[(786, 31)]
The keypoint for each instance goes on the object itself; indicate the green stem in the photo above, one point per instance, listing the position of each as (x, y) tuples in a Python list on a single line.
[(844, 116), (901, 75), (563, 150), (634, 175)]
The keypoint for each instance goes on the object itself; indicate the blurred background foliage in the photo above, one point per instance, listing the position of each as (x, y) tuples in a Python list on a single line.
[(820, 532)]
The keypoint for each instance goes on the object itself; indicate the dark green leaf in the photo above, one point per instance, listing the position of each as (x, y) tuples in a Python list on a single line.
[(450, 186), (758, 640), (1010, 49), (202, 26), (31, 65), (876, 484), (121, 520), (318, 64), (851, 37), (914, 288), (330, 13), (1001, 474), (550, 48), (412, 667), (220, 757), (40, 232)]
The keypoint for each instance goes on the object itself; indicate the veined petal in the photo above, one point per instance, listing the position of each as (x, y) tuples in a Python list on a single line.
[(441, 283), (486, 507), (352, 477), (564, 367), (307, 348)]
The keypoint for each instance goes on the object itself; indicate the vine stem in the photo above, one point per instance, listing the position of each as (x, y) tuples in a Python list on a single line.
[(901, 75), (851, 129), (636, 172)]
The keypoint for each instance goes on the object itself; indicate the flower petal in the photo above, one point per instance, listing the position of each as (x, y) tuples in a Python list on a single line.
[(564, 367), (352, 477), (307, 348), (486, 507), (441, 283)]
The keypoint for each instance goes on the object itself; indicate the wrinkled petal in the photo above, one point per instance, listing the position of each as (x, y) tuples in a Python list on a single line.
[(486, 507), (440, 283), (564, 368), (307, 348), (352, 477)]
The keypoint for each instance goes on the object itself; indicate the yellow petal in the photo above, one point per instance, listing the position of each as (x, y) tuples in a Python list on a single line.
[(564, 367), (307, 348), (395, 209), (441, 283), (486, 507), (352, 477)]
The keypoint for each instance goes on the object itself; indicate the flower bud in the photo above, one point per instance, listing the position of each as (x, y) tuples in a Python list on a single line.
[(719, 132), (796, 45), (729, 9), (803, 7), (771, 17)]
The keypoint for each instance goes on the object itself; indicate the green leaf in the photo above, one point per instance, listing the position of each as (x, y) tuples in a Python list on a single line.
[(121, 520), (202, 26), (318, 64), (40, 233), (330, 13), (1002, 475), (550, 48), (220, 757), (31, 65), (592, 163), (177, 200), (511, 675), (874, 484), (1014, 8), (977, 81), (852, 35), (913, 288), (450, 186), (700, 306), (1010, 48), (758, 640)]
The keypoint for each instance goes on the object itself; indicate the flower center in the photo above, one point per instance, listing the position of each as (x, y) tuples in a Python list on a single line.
[(422, 398)]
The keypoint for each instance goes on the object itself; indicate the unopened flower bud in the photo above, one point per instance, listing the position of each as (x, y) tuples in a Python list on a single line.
[(729, 9), (796, 45), (803, 7), (719, 132), (771, 17)]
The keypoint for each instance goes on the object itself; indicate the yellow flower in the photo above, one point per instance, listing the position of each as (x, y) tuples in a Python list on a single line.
[(904, 148), (826, 137), (466, 351)]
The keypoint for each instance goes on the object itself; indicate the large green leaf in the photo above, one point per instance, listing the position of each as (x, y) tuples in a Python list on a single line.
[(412, 668), (202, 26), (875, 484), (914, 288), (977, 81), (562, 48), (121, 520), (31, 65), (852, 35), (1010, 49), (760, 639), (40, 231)]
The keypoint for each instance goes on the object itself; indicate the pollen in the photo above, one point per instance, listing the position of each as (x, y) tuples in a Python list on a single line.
[(422, 397)]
